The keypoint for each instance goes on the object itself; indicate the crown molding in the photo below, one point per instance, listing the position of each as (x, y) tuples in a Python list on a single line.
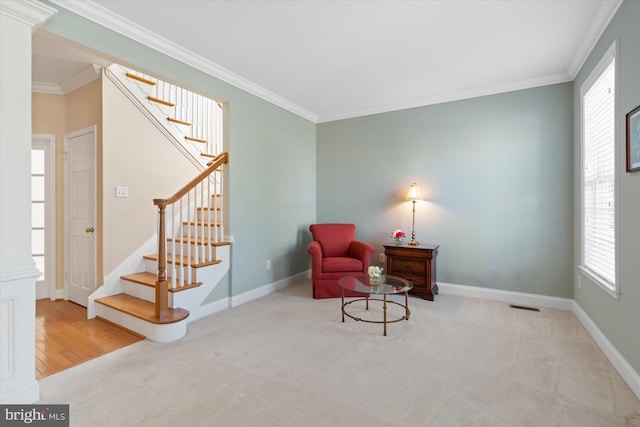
[(30, 12), (451, 96), (86, 76), (601, 20), (45, 87), (104, 17)]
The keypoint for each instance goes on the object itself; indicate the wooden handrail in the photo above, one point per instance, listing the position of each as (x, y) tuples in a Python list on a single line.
[(214, 164), (162, 290)]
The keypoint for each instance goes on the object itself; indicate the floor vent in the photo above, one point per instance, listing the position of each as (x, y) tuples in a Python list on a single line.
[(522, 307)]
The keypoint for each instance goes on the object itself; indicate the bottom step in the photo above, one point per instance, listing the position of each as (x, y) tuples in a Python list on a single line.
[(142, 309), (139, 316)]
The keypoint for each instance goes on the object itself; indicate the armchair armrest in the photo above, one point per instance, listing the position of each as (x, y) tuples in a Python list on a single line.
[(361, 251), (315, 250)]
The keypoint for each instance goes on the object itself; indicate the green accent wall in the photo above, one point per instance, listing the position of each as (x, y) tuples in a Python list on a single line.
[(618, 319), (495, 173), (271, 173)]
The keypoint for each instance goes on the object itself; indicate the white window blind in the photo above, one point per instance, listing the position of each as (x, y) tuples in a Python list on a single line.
[(598, 179)]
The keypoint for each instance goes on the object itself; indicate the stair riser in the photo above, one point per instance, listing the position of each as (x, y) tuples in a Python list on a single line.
[(157, 333), (208, 231), (193, 249), (152, 267), (203, 215)]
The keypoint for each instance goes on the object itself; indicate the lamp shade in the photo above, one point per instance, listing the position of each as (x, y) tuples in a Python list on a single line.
[(414, 193)]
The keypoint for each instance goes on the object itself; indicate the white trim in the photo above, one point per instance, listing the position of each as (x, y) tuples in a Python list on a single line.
[(451, 96), (599, 24), (209, 309), (47, 142), (84, 77), (628, 374), (32, 13), (611, 55), (18, 270), (519, 298), (106, 18), (626, 371), (265, 290)]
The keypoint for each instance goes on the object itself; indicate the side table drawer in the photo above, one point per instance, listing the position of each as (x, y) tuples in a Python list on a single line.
[(408, 265), (416, 281)]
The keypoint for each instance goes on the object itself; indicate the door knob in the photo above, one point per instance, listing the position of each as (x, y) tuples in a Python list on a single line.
[(89, 230)]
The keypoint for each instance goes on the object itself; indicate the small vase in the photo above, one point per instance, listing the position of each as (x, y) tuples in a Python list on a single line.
[(374, 280), (397, 241)]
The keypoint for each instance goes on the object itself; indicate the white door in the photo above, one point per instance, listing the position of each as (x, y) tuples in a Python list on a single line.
[(80, 247), (43, 210)]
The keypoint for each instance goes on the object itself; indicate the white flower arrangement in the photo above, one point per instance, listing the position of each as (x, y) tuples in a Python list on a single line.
[(374, 270)]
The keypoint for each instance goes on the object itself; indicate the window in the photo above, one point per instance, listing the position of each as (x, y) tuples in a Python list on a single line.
[(37, 209), (598, 96)]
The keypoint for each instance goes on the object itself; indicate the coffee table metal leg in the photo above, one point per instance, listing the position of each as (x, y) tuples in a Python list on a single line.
[(406, 304), (384, 310), (342, 305)]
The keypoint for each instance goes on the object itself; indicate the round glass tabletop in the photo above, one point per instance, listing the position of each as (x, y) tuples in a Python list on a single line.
[(362, 283)]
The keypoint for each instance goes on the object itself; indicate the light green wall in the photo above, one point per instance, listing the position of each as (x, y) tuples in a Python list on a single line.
[(496, 173), (267, 147), (618, 319)]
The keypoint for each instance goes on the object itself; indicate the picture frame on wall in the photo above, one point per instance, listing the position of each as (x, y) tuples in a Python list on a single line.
[(633, 140)]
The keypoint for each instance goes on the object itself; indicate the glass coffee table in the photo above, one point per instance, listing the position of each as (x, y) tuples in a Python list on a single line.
[(387, 285)]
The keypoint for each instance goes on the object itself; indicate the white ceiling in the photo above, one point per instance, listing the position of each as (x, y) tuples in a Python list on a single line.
[(328, 60)]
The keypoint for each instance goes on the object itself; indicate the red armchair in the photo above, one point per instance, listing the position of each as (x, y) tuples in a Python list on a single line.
[(334, 254)]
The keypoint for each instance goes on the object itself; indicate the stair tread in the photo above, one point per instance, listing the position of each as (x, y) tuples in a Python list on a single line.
[(161, 101), (141, 79), (194, 139), (199, 241), (142, 309), (184, 261), (149, 279), (199, 223), (181, 122)]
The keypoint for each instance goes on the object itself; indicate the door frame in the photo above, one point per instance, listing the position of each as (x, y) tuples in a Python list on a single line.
[(47, 142), (67, 202)]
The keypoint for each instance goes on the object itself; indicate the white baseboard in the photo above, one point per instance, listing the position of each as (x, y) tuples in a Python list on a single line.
[(209, 309), (625, 370), (511, 297), (266, 289), (618, 361)]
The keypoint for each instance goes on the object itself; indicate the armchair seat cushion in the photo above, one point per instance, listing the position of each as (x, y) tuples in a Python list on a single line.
[(336, 264)]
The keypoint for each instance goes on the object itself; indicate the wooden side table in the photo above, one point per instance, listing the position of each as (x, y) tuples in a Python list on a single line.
[(416, 264)]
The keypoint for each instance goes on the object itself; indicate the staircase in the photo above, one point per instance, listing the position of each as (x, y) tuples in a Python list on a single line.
[(192, 256), (193, 122)]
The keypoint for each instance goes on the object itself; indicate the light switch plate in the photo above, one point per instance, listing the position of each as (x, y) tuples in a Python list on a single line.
[(122, 191)]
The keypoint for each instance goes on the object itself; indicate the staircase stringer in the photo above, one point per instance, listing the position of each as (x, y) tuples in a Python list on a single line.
[(155, 116)]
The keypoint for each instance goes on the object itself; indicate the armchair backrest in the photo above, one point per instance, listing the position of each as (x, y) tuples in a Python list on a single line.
[(333, 238)]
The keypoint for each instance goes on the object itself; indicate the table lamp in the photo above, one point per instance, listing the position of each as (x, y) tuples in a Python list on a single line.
[(413, 195)]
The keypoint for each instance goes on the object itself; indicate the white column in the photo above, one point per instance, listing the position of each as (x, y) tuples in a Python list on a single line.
[(17, 270)]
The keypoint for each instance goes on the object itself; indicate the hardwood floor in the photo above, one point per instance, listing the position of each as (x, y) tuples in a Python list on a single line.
[(65, 337)]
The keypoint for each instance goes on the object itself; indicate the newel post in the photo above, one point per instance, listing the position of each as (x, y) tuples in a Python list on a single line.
[(162, 285)]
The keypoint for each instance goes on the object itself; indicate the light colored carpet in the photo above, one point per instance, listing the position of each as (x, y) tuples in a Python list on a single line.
[(288, 360)]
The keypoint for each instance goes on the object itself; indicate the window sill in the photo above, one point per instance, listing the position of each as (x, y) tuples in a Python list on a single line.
[(605, 286)]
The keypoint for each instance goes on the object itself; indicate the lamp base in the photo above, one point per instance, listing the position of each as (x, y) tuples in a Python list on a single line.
[(413, 242)]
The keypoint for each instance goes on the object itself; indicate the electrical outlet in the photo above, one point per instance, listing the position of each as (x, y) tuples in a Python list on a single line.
[(268, 264), (382, 258)]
